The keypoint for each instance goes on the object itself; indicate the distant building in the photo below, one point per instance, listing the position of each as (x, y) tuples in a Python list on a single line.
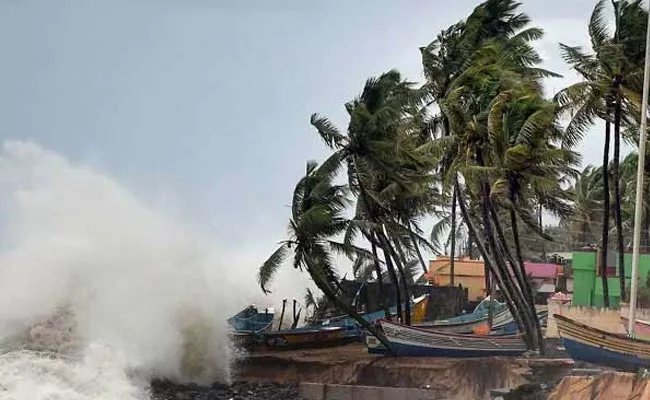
[(587, 281), (468, 273), (545, 277)]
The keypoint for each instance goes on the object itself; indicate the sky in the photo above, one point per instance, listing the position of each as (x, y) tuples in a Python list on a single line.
[(203, 105)]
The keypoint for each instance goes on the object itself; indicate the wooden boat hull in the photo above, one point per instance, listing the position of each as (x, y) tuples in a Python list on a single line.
[(418, 313), (246, 325), (309, 338), (589, 344), (641, 328), (409, 341)]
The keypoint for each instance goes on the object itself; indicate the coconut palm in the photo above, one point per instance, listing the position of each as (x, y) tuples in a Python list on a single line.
[(587, 208), (385, 172), (501, 59), (610, 91), (317, 214)]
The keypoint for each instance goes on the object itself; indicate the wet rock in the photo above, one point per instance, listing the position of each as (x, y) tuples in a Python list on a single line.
[(165, 390)]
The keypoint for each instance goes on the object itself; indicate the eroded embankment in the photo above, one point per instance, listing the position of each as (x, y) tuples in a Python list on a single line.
[(607, 386), (446, 378)]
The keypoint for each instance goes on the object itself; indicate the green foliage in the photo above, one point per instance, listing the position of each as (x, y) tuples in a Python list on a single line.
[(479, 133)]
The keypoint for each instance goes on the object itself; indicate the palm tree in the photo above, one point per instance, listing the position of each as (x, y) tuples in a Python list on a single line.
[(316, 216), (587, 207), (526, 165), (442, 60), (611, 86), (498, 59), (385, 172)]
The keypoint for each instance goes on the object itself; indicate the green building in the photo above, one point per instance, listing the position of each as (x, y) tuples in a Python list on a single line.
[(588, 285)]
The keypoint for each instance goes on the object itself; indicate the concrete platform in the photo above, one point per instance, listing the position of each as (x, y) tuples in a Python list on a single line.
[(319, 391)]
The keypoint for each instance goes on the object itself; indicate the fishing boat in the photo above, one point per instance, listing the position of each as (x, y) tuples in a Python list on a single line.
[(248, 323), (309, 337), (469, 323), (641, 327), (589, 344), (331, 332), (418, 314), (409, 341)]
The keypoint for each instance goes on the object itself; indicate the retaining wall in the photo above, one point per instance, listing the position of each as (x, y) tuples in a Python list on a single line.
[(319, 391)]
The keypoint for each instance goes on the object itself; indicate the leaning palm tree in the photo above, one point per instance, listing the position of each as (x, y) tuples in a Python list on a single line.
[(499, 62), (316, 216), (386, 174), (610, 91)]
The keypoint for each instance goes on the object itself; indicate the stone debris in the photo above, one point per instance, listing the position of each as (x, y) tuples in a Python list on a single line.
[(166, 390)]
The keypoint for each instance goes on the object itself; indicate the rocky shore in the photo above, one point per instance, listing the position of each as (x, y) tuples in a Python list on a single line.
[(166, 390)]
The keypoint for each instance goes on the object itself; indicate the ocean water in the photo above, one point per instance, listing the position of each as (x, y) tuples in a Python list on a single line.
[(100, 291)]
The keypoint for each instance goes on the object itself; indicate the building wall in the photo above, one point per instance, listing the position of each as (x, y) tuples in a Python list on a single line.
[(468, 273), (588, 286)]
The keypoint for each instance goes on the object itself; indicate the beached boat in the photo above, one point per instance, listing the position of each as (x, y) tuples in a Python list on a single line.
[(469, 323), (589, 344), (309, 337), (248, 323), (641, 328), (409, 341), (418, 314), (331, 332)]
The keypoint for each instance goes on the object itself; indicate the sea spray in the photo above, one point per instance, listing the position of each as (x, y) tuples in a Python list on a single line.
[(99, 375), (85, 265)]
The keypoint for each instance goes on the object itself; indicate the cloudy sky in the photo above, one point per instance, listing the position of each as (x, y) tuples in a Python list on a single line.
[(207, 102)]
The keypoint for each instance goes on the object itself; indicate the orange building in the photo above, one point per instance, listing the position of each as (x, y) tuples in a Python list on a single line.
[(469, 273)]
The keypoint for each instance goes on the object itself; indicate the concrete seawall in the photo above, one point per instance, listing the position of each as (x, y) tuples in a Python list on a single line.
[(319, 391)]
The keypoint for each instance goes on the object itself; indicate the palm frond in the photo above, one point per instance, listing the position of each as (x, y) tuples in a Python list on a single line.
[(271, 266)]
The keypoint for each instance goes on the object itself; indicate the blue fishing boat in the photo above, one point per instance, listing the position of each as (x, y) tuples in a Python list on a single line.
[(308, 337), (468, 323), (592, 345), (248, 323), (331, 332), (408, 341), (418, 311)]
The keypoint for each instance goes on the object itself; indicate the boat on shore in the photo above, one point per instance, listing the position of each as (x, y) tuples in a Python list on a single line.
[(589, 344), (331, 332), (641, 328), (409, 341), (247, 324), (309, 337)]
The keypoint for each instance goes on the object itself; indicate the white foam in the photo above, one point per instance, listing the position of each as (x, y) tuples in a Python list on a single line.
[(128, 276), (100, 375)]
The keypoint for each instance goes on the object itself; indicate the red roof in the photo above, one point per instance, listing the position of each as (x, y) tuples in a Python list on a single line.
[(542, 270)]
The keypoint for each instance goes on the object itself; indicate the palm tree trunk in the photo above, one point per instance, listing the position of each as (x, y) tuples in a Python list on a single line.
[(397, 258), (383, 243), (417, 248), (522, 282), (541, 229), (401, 262), (489, 261), (617, 197), (390, 267), (380, 280), (322, 284), (452, 253), (520, 304), (605, 235), (523, 279)]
